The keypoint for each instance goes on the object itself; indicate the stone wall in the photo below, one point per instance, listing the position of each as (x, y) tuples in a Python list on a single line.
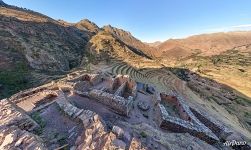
[(157, 98), (131, 87), (118, 81), (10, 115), (120, 91), (83, 77), (95, 129), (65, 85), (175, 124), (85, 116), (15, 125), (96, 79), (28, 93), (13, 138), (115, 103), (134, 91), (127, 88), (173, 100), (82, 86), (44, 89), (221, 131), (216, 129)]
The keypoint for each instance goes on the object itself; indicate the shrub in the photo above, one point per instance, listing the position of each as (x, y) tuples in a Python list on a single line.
[(143, 134), (36, 116), (14, 80)]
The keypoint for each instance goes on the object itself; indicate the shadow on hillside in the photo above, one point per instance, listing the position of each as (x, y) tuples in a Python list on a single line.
[(232, 100), (209, 90), (53, 46)]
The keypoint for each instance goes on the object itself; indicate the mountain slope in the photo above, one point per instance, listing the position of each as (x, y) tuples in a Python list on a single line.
[(131, 41), (47, 44), (44, 43), (208, 44), (223, 57), (36, 46), (105, 46), (86, 24)]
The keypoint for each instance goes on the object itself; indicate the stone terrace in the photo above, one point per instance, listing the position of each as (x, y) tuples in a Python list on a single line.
[(94, 108)]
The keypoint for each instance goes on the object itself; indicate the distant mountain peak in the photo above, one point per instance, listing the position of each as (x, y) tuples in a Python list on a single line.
[(115, 30), (153, 44), (2, 3), (86, 24)]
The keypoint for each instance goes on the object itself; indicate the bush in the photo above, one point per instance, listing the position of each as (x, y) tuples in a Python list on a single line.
[(14, 80), (143, 134), (36, 116)]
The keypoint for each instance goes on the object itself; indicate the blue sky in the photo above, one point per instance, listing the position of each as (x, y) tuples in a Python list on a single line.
[(151, 20)]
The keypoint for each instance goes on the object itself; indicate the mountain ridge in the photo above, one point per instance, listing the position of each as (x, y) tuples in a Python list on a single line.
[(119, 87), (208, 44)]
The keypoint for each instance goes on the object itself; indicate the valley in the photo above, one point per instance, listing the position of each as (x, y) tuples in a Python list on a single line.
[(80, 86)]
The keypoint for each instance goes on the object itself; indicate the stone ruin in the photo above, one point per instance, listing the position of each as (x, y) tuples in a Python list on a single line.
[(15, 127), (186, 122), (117, 94), (94, 109), (190, 120)]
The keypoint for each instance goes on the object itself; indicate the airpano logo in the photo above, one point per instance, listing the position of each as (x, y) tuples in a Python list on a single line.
[(235, 143)]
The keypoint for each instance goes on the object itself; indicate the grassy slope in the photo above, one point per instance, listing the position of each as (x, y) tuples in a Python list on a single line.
[(230, 72)]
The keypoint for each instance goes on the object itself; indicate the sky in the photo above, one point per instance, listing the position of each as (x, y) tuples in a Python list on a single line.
[(151, 20)]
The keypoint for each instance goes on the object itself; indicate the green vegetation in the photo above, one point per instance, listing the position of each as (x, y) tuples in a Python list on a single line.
[(91, 58), (242, 101), (143, 134), (180, 73), (247, 114), (40, 121), (36, 116), (4, 33), (14, 80), (38, 131), (232, 57), (62, 139)]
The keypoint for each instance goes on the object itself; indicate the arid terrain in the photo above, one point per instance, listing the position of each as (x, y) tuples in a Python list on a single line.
[(80, 86)]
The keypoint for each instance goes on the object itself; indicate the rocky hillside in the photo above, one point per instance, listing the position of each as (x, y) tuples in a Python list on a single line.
[(104, 46), (87, 25), (205, 44), (131, 41), (30, 41), (154, 44), (51, 45), (44, 43)]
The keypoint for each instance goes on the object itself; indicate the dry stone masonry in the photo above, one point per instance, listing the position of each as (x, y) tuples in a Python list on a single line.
[(14, 128), (97, 104)]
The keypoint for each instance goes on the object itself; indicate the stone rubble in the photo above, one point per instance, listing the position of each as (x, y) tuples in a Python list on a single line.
[(13, 125), (13, 137), (16, 125), (12, 115)]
